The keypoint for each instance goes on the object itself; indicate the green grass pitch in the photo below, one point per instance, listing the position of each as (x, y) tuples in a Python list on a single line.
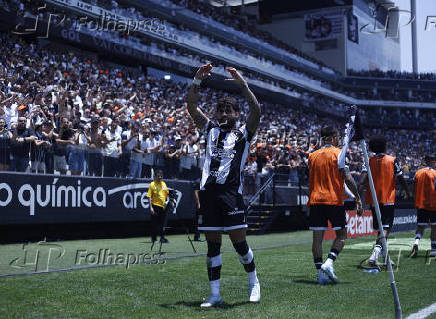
[(176, 288)]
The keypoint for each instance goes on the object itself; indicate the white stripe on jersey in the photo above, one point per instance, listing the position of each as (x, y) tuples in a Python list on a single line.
[(226, 154), (224, 169), (211, 138), (244, 158)]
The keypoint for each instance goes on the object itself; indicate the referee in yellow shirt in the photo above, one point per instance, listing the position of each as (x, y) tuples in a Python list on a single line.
[(158, 194)]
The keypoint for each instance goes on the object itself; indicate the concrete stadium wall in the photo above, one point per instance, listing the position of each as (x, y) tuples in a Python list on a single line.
[(291, 30)]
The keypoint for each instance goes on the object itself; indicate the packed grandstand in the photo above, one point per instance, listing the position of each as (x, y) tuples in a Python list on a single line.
[(64, 91)]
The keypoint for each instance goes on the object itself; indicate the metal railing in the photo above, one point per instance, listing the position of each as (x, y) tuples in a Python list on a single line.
[(260, 191)]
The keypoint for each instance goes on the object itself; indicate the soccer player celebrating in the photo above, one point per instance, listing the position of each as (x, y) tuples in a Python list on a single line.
[(425, 203), (221, 196), (385, 169), (326, 188)]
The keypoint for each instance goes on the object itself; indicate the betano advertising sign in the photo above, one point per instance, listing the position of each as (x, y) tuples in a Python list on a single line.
[(357, 226)]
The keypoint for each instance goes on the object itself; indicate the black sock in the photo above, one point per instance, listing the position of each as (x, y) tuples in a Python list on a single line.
[(213, 260), (317, 262), (333, 254)]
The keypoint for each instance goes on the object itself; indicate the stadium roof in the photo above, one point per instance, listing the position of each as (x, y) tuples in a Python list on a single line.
[(220, 3), (230, 3)]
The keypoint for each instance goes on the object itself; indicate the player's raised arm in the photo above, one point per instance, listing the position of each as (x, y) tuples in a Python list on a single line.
[(253, 118), (197, 115), (351, 184)]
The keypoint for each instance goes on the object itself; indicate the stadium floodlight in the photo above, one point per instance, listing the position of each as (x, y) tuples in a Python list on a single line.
[(398, 311)]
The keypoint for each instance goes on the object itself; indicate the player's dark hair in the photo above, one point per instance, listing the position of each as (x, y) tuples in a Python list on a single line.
[(159, 172), (228, 101), (377, 144), (328, 131)]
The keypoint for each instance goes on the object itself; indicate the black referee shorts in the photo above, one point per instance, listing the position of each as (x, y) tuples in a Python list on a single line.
[(387, 216), (426, 217), (321, 214), (222, 209)]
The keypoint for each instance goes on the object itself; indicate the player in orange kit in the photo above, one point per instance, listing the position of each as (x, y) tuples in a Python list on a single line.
[(425, 203), (327, 175), (385, 169)]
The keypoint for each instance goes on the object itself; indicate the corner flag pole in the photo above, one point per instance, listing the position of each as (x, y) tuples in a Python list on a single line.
[(398, 311)]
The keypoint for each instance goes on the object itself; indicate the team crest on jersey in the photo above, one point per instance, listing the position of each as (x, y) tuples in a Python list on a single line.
[(236, 212), (221, 152)]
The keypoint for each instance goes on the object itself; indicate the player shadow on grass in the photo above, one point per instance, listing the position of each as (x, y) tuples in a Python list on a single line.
[(313, 282), (196, 304)]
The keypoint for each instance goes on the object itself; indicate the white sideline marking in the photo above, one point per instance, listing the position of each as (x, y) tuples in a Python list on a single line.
[(423, 313), (394, 244)]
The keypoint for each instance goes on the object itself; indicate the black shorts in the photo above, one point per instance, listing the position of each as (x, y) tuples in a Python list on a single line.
[(321, 214), (426, 217), (387, 216), (222, 209)]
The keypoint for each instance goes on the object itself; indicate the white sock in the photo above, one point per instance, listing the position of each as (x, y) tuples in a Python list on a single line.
[(252, 277), (329, 262), (215, 287), (375, 252)]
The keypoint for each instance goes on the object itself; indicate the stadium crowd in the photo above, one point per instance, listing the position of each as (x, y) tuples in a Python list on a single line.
[(67, 112), (233, 52), (392, 74)]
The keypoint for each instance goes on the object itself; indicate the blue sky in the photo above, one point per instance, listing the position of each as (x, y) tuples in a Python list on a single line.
[(426, 39)]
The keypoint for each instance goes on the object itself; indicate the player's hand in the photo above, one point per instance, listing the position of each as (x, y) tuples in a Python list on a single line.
[(359, 207), (198, 206), (152, 211), (236, 77), (203, 72)]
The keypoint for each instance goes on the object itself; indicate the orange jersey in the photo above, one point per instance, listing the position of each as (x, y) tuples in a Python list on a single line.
[(425, 193), (384, 168), (326, 184)]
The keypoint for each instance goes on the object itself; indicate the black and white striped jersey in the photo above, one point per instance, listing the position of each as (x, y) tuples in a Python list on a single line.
[(226, 153)]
